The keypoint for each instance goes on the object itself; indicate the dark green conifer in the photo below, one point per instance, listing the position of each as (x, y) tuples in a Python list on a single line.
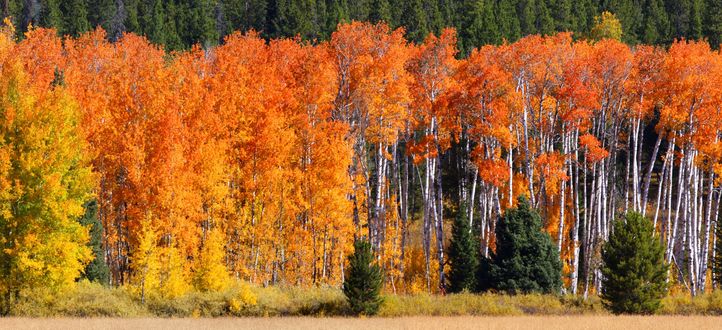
[(463, 255), (363, 280), (526, 259), (97, 270), (634, 275)]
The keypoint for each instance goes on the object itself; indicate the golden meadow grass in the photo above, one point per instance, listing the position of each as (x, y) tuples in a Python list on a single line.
[(243, 300), (424, 322)]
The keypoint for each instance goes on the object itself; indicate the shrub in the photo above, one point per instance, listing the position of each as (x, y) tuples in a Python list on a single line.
[(364, 280), (487, 304), (86, 299), (634, 271)]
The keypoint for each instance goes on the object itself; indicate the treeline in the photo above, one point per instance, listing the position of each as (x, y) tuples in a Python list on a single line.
[(179, 24), (265, 160)]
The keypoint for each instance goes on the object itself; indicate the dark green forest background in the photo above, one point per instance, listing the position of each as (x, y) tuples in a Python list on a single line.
[(179, 24)]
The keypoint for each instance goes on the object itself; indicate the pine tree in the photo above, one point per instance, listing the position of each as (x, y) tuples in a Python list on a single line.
[(527, 17), (97, 270), (100, 13), (525, 259), (75, 17), (544, 21), (583, 13), (363, 281), (507, 20), (337, 12), (152, 19), (713, 22), (634, 272), (434, 18), (380, 11), (656, 24), (413, 19), (245, 15), (463, 255)]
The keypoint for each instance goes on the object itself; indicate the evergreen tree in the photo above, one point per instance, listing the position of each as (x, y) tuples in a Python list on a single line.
[(713, 22), (544, 22), (463, 255), (245, 15), (583, 15), (362, 286), (202, 24), (483, 275), (634, 272), (152, 20), (359, 10), (50, 14), (527, 16), (478, 27), (296, 18), (380, 11), (132, 22), (75, 17), (507, 20), (656, 24), (101, 13), (695, 24), (434, 17), (562, 14), (413, 19), (526, 260), (97, 270), (337, 12)]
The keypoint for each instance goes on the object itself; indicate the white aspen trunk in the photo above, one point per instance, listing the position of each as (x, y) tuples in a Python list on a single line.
[(471, 197), (660, 189), (704, 257), (680, 190), (635, 166), (562, 200), (510, 163), (529, 159), (627, 183), (648, 176)]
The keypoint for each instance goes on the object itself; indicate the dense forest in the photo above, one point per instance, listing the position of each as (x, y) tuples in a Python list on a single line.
[(264, 160), (179, 24)]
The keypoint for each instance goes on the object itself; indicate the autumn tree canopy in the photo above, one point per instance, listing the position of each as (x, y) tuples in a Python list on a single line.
[(264, 160)]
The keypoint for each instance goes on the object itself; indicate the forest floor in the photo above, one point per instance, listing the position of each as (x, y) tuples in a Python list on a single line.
[(462, 322)]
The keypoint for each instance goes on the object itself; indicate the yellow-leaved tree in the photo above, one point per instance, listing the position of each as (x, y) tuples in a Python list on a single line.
[(44, 181), (174, 275), (211, 273), (145, 262)]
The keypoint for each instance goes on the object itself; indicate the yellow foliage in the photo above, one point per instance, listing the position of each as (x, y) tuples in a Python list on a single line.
[(145, 263), (607, 27), (44, 181), (210, 271), (174, 275), (245, 298)]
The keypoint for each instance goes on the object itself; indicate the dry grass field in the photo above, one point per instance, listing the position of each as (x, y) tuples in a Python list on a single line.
[(303, 323)]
